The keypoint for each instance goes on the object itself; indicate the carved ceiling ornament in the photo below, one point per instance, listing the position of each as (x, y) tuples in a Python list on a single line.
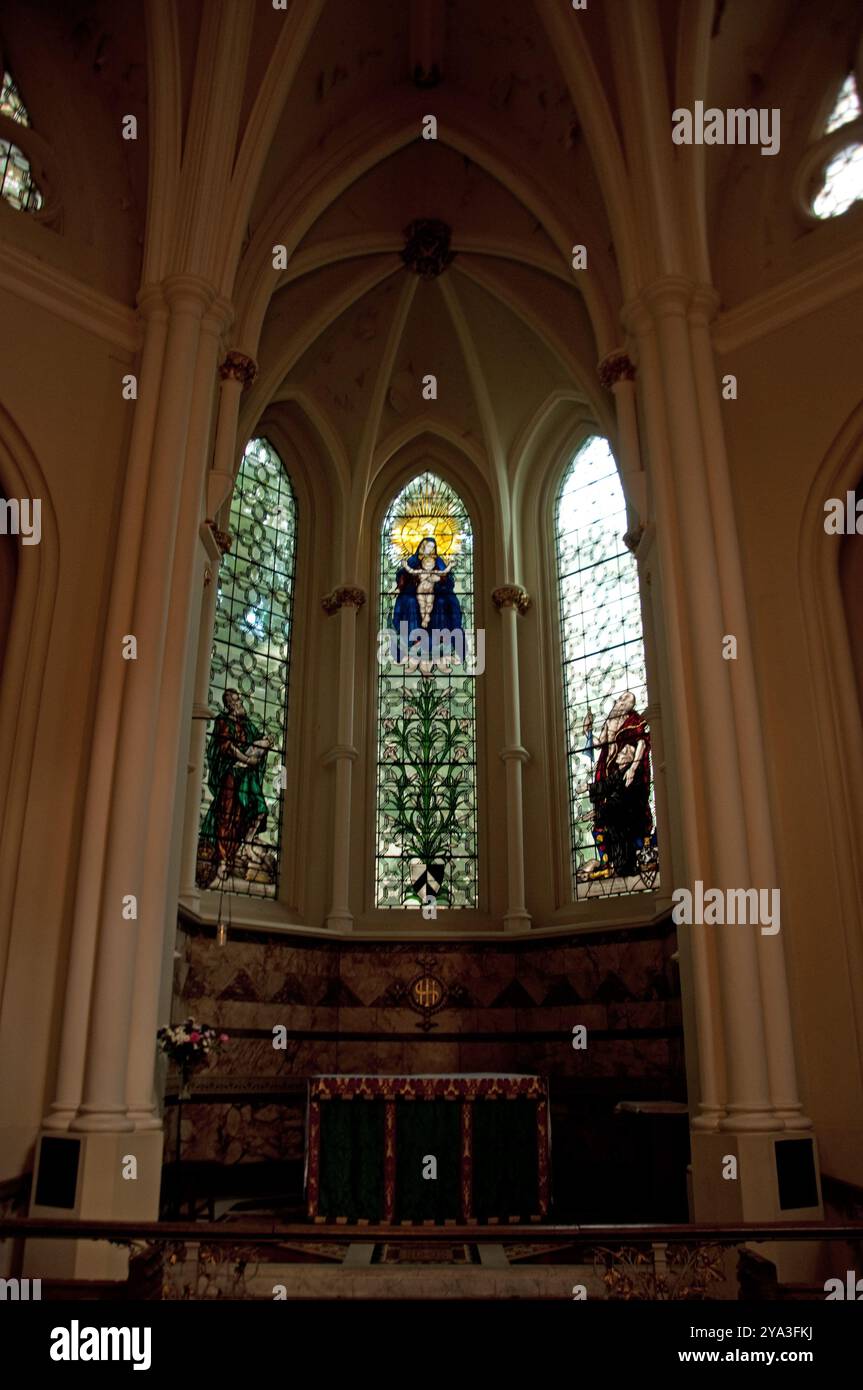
[(427, 247)]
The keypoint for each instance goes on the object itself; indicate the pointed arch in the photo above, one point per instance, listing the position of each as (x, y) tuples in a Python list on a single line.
[(604, 682), (240, 838), (426, 783)]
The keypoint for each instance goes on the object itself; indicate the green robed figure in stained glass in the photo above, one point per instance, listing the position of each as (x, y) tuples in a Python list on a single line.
[(236, 762)]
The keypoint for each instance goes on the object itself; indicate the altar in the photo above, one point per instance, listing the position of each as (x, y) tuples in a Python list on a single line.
[(370, 1140)]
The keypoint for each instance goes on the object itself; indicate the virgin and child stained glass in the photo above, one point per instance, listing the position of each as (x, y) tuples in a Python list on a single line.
[(426, 851), (611, 801), (239, 843)]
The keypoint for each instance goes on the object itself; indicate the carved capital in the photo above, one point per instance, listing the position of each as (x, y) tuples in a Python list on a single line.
[(224, 540), (238, 367), (511, 596), (348, 596), (615, 367), (340, 752)]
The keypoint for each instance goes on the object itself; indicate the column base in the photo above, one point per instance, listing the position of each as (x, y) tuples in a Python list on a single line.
[(777, 1179), (707, 1120), (145, 1118), (340, 921), (92, 1177), (59, 1118), (517, 921)]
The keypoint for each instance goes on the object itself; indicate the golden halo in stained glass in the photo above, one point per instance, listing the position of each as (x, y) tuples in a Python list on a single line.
[(427, 507)]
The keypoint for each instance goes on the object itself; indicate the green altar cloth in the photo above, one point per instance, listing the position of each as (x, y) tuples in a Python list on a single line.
[(370, 1139)]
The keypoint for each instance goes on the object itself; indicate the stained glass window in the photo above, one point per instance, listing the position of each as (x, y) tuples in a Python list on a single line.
[(17, 185), (609, 765), (841, 182), (239, 844), (846, 107), (426, 851)]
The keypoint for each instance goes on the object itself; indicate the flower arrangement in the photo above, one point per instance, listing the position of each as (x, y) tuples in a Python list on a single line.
[(189, 1045)]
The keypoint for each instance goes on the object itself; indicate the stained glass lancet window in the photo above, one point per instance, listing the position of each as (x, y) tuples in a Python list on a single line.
[(426, 851), (611, 803), (239, 844), (841, 179), (17, 185)]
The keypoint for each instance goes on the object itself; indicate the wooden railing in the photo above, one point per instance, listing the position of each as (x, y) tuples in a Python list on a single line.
[(232, 1233)]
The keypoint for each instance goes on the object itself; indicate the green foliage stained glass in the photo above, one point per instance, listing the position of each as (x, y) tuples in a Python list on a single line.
[(612, 814), (426, 783), (239, 846)]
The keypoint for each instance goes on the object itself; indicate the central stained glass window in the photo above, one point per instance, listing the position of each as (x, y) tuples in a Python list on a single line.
[(611, 799), (426, 850), (239, 844)]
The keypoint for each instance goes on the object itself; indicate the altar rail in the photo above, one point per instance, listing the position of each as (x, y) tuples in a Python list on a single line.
[(198, 1261), (221, 1232)]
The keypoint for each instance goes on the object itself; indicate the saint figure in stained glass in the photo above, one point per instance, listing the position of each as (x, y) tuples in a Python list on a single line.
[(612, 810), (236, 761), (620, 796), (239, 848)]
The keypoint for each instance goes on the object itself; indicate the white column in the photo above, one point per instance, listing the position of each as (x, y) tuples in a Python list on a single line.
[(776, 1007), (707, 1012), (158, 910), (617, 374), (103, 1106), (132, 527), (510, 600), (346, 601), (721, 797)]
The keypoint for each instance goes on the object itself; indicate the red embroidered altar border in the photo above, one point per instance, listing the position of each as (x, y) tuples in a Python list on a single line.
[(427, 1088)]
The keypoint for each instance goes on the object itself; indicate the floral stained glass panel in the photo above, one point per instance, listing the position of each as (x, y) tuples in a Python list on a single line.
[(609, 765), (426, 778), (239, 844)]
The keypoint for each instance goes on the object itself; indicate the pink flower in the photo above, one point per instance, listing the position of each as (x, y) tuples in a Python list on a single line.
[(194, 1037), (223, 1037)]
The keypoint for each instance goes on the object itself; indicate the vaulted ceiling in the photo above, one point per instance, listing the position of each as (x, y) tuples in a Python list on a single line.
[(303, 126)]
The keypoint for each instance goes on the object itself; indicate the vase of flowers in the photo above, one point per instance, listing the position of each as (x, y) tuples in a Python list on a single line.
[(189, 1046)]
